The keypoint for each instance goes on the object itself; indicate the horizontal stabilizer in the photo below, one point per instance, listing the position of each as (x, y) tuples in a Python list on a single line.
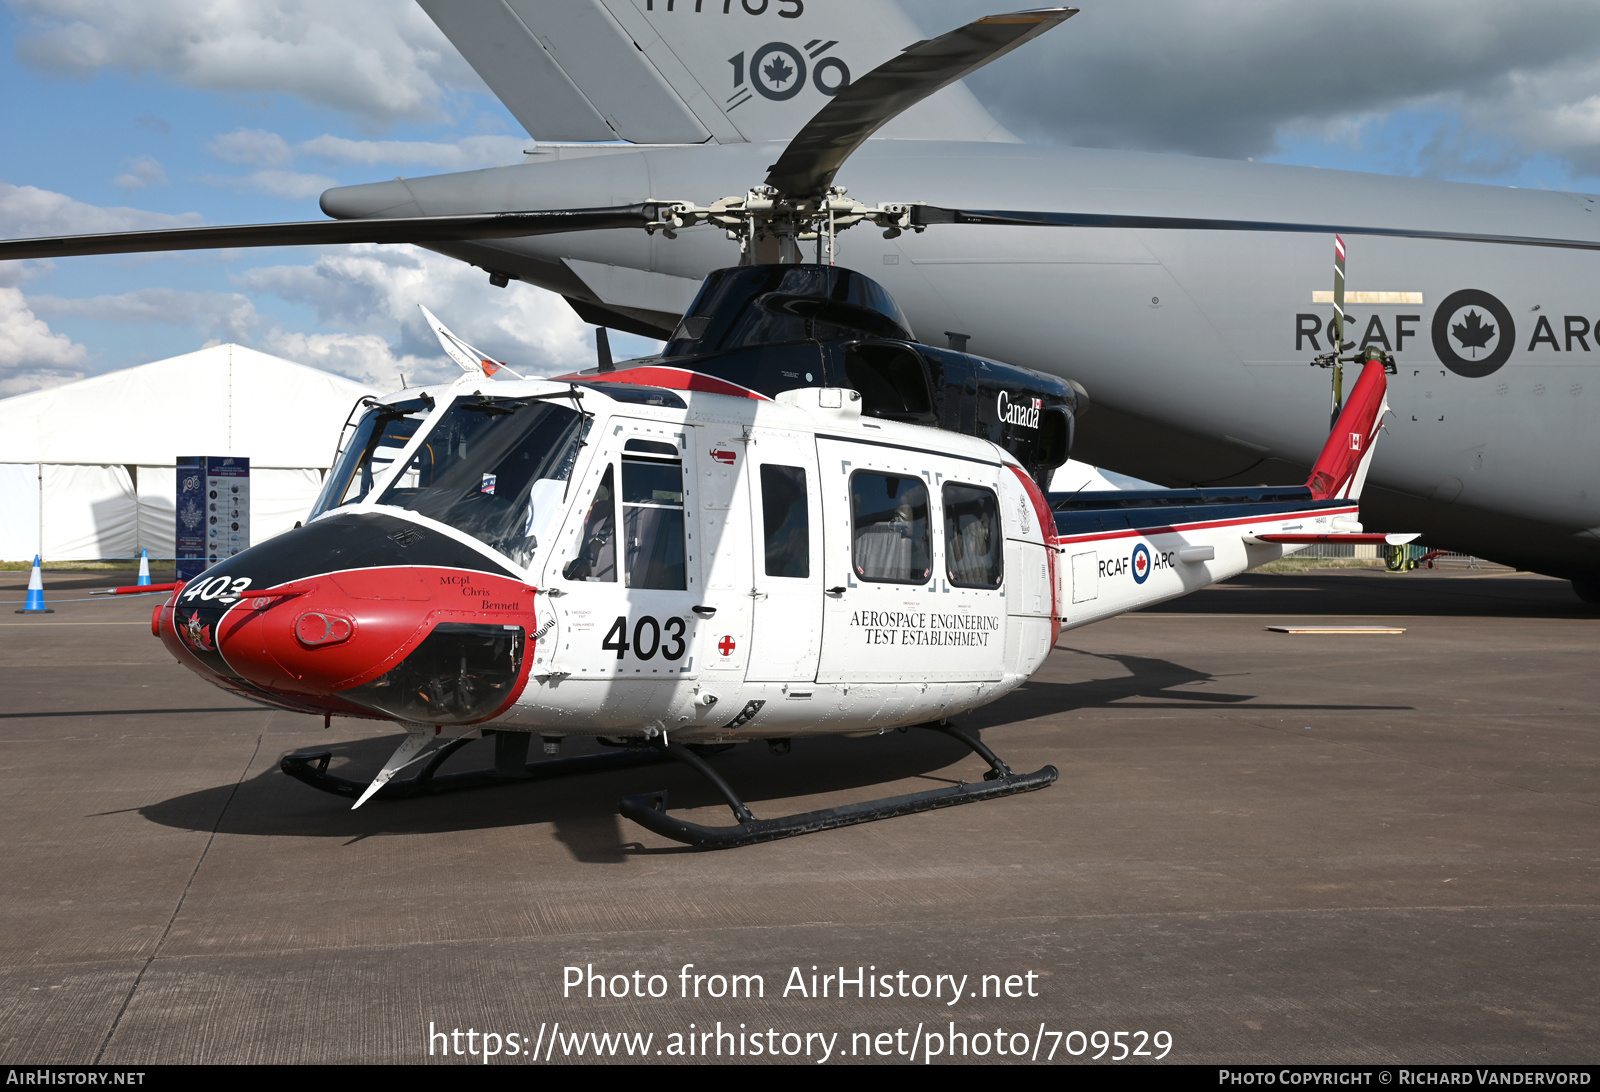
[(1339, 540)]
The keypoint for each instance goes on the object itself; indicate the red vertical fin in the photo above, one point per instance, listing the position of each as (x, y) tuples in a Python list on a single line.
[(1337, 470)]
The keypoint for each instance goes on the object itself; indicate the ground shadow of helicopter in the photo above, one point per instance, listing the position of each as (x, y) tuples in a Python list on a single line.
[(1148, 677), (1491, 595), (581, 810)]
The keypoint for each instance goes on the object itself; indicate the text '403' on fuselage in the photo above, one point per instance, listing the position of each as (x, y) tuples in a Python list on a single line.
[(665, 553)]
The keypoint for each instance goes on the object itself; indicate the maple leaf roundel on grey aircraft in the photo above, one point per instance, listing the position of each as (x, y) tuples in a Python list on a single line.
[(778, 71), (1473, 333)]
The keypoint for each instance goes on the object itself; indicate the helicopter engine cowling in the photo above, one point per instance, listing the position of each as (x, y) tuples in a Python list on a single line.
[(773, 328)]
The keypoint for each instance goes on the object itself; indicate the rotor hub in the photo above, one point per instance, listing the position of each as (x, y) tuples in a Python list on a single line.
[(769, 226)]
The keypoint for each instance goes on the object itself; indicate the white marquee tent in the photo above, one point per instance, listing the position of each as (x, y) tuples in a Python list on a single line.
[(86, 469)]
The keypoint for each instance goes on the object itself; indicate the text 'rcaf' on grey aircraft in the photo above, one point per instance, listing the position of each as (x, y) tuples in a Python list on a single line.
[(1187, 295)]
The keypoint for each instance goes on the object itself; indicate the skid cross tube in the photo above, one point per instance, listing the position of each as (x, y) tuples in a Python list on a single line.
[(311, 767), (649, 810)]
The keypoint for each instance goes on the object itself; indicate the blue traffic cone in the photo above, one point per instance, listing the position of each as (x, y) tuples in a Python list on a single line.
[(35, 603), (144, 568)]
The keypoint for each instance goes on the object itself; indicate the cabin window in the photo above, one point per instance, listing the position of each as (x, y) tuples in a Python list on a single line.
[(973, 555), (889, 528), (786, 521), (597, 550), (652, 522)]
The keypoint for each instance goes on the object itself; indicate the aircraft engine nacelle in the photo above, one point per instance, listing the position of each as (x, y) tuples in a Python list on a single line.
[(772, 328)]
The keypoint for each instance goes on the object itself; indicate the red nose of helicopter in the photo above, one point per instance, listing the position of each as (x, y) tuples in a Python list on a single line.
[(359, 615)]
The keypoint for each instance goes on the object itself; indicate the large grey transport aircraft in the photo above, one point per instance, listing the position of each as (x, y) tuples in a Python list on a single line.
[(1187, 295)]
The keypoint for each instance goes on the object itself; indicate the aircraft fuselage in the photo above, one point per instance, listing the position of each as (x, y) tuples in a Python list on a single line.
[(1193, 345)]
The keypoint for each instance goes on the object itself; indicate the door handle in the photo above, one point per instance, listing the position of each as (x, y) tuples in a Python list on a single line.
[(704, 612), (836, 591)]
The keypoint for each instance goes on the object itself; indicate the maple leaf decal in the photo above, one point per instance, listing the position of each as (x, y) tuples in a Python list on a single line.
[(777, 70), (1473, 333)]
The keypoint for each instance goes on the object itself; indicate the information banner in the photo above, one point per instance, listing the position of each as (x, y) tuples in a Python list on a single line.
[(213, 511)]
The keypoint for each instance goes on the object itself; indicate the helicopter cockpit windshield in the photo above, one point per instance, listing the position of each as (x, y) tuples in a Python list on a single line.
[(495, 468), (380, 436)]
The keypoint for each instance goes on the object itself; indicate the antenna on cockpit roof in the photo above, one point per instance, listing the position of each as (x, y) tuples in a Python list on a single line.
[(468, 357)]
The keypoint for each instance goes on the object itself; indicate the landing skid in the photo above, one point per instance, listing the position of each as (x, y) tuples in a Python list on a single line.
[(650, 809), (510, 765)]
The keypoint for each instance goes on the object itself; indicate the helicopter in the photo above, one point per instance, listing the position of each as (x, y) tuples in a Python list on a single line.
[(797, 519), (668, 560)]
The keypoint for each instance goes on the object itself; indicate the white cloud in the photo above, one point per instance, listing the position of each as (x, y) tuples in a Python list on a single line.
[(252, 147), (31, 355), (467, 154), (224, 316), (1221, 77), (275, 183), (272, 154), (372, 292), (367, 358), (381, 59), (141, 171), (28, 211)]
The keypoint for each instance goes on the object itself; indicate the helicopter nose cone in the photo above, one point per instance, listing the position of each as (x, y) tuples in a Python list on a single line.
[(414, 644), (372, 199), (360, 615)]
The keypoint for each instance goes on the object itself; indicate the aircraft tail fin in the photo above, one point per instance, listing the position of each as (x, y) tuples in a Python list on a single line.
[(1341, 469), (690, 71)]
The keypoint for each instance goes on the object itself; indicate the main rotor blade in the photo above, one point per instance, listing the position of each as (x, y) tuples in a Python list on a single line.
[(861, 108), (401, 229), (933, 214)]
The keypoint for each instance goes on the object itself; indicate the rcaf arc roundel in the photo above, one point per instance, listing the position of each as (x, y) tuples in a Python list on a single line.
[(1141, 563), (1473, 333)]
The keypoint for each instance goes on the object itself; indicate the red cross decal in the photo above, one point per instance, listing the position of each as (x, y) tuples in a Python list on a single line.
[(725, 646)]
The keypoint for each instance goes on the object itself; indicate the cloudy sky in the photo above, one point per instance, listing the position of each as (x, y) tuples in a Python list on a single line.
[(124, 114)]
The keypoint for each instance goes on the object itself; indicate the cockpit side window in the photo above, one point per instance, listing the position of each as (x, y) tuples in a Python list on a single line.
[(597, 552), (785, 521), (379, 437), (479, 469)]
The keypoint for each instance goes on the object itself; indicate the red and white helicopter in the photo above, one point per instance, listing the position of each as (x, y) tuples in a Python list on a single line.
[(797, 520), (661, 556)]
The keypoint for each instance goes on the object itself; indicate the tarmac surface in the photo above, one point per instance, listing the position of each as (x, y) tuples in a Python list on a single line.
[(1275, 847)]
